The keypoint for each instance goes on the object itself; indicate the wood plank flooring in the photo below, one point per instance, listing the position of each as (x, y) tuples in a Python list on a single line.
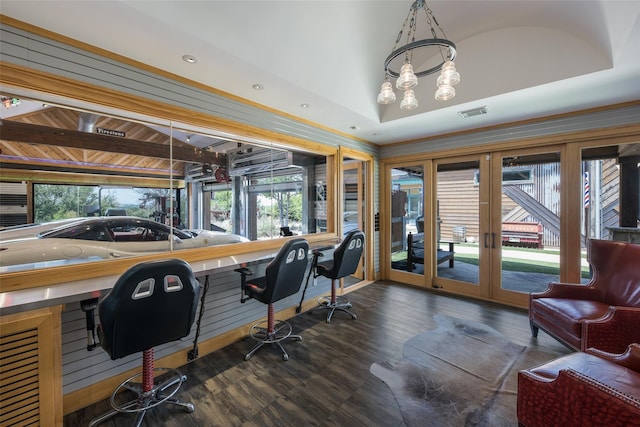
[(326, 381)]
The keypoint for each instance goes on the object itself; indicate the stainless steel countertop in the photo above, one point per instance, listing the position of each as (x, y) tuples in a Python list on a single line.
[(78, 290)]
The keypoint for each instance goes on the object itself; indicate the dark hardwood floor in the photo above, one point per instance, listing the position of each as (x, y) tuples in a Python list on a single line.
[(326, 381)]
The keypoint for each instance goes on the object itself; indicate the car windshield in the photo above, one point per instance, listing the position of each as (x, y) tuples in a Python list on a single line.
[(81, 231)]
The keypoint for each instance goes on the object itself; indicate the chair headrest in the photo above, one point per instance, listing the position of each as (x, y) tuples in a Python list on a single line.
[(151, 303), (285, 273)]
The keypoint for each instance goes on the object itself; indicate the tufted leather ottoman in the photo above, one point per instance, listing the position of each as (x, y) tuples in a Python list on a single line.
[(582, 389)]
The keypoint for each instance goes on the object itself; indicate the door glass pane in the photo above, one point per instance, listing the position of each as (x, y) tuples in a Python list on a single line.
[(601, 194), (406, 213), (458, 222), (611, 196), (353, 208), (530, 226)]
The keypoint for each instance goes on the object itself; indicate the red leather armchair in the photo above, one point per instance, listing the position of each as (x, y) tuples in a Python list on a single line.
[(582, 389), (604, 313)]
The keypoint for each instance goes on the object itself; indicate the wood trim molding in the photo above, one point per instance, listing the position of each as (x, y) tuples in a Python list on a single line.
[(603, 136), (56, 275)]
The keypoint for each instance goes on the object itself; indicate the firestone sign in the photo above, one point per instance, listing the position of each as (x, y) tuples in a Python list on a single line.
[(110, 132)]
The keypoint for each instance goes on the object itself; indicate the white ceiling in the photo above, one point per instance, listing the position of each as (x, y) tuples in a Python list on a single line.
[(521, 59)]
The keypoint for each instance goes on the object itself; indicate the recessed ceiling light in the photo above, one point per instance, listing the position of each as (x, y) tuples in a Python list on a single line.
[(190, 59), (257, 86), (305, 105), (354, 127)]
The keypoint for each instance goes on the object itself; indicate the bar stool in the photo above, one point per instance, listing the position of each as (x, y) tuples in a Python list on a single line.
[(283, 277), (152, 303), (344, 263)]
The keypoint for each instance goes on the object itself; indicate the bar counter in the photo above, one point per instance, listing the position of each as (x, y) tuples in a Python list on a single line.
[(71, 377), (78, 290)]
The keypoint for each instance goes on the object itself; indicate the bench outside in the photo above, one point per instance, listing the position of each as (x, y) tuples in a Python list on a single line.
[(522, 234), (415, 251)]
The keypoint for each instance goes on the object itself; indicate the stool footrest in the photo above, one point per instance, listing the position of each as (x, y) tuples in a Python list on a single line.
[(143, 401), (281, 331), (341, 304)]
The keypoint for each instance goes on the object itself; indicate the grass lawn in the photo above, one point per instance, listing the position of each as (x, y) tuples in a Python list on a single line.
[(525, 264)]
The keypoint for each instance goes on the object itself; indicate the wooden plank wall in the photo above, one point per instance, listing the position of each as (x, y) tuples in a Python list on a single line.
[(458, 197), (546, 190), (610, 196)]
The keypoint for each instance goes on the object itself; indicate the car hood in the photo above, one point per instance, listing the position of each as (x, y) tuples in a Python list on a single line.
[(217, 237)]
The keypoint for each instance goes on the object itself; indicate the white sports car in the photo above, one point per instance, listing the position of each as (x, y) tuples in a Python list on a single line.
[(103, 238)]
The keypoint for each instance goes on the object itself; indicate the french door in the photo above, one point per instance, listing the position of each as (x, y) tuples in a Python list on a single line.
[(499, 214), (462, 199), (525, 215)]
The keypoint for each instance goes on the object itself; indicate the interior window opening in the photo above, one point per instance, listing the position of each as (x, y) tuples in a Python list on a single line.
[(215, 188)]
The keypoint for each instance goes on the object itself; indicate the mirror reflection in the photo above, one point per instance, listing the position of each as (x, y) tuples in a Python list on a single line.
[(86, 186)]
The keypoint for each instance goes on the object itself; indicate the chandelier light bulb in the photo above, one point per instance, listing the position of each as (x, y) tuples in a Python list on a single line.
[(409, 102), (407, 78), (444, 80), (449, 73), (445, 92), (386, 95)]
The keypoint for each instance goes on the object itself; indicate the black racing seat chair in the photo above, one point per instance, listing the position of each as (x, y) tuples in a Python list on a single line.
[(152, 303), (344, 263), (283, 278)]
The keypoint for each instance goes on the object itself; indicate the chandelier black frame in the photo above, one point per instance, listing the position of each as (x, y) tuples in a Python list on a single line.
[(417, 44), (406, 77)]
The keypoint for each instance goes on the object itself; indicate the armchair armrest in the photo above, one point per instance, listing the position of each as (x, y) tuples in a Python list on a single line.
[(568, 290), (629, 359), (614, 331)]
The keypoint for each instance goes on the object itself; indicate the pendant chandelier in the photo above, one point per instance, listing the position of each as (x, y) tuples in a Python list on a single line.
[(407, 78)]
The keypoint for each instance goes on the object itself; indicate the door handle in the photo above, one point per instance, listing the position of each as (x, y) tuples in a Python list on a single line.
[(485, 240)]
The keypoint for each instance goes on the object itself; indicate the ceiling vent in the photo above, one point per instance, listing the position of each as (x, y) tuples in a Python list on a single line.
[(473, 112)]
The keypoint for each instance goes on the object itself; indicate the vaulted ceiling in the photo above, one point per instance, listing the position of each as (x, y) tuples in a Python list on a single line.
[(522, 59)]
